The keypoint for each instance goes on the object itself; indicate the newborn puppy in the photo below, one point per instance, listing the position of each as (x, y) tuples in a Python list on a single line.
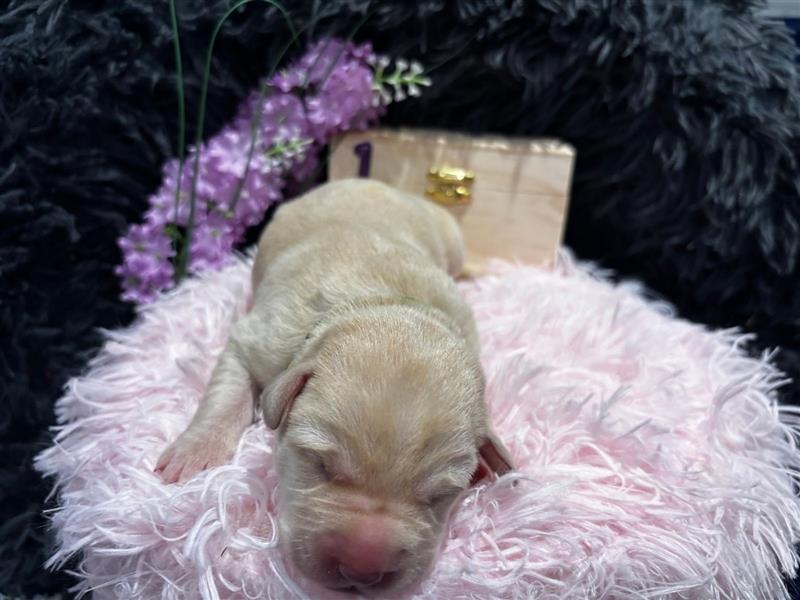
[(365, 359)]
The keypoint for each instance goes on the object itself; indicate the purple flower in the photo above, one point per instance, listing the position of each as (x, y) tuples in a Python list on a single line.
[(313, 66), (211, 242), (283, 117), (146, 268), (328, 90), (306, 165), (343, 102), (363, 53)]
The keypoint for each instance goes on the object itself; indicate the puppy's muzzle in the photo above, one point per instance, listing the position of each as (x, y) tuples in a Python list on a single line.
[(364, 554)]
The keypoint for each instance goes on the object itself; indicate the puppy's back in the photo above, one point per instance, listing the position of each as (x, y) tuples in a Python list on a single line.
[(359, 241), (365, 204)]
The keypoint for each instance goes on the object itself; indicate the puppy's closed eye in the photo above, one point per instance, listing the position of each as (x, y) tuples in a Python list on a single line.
[(319, 465), (447, 485), (443, 495), (326, 466)]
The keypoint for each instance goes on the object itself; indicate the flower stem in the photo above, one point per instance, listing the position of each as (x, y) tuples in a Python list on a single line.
[(262, 94), (183, 256), (256, 120), (176, 42)]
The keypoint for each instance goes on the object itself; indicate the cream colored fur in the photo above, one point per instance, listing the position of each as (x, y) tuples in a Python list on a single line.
[(365, 358)]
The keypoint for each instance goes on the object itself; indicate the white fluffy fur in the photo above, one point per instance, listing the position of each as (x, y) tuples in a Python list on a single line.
[(654, 461)]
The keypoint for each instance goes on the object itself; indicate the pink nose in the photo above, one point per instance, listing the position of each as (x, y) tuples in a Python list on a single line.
[(362, 552)]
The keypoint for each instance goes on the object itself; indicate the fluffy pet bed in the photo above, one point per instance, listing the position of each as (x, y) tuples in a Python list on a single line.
[(653, 461), (685, 116)]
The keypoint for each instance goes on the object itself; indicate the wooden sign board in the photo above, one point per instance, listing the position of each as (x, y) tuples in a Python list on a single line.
[(514, 205)]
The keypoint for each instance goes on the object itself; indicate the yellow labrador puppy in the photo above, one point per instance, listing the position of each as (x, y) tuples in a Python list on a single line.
[(365, 359)]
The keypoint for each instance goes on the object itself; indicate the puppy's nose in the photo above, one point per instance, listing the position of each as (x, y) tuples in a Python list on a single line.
[(363, 552), (365, 579)]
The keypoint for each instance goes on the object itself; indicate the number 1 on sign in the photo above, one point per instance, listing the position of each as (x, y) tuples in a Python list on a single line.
[(364, 153)]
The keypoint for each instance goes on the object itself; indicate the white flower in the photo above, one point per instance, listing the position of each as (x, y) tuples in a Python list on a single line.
[(404, 81)]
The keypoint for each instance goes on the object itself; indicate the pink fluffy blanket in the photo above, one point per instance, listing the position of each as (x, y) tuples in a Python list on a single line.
[(653, 459)]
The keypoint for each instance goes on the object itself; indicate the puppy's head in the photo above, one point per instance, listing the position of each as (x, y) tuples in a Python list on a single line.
[(382, 425)]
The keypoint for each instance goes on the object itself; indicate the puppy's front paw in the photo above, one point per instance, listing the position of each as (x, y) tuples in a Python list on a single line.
[(193, 452)]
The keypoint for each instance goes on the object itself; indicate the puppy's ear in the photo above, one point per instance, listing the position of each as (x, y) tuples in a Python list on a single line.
[(277, 399), (494, 459)]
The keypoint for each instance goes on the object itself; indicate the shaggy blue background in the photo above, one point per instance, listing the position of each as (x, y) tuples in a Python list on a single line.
[(686, 117)]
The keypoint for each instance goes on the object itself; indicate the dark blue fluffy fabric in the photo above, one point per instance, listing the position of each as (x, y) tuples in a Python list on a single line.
[(686, 117)]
